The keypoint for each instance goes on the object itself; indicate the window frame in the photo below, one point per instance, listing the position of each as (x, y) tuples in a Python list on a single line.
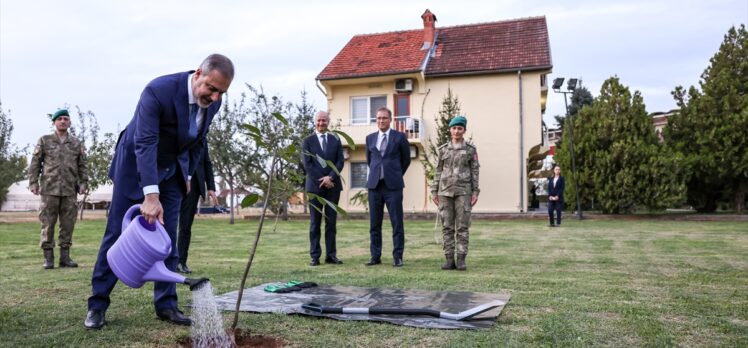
[(372, 117), (366, 178), (397, 112)]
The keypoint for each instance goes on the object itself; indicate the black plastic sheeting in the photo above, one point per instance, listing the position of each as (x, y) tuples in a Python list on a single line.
[(257, 300)]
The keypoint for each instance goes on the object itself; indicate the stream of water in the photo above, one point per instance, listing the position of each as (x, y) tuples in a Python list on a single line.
[(207, 323)]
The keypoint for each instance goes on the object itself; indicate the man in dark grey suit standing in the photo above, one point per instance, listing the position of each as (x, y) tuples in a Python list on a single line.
[(388, 157), (324, 182)]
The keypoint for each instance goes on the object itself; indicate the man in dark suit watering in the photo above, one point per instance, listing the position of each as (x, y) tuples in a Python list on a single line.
[(201, 179), (388, 157), (555, 196), (323, 182), (153, 158)]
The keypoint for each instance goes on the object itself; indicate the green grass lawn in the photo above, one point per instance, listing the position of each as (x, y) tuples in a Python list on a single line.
[(589, 283)]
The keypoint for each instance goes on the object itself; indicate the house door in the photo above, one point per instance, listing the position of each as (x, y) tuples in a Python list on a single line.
[(402, 113)]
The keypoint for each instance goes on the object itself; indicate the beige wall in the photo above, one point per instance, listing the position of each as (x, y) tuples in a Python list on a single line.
[(491, 104)]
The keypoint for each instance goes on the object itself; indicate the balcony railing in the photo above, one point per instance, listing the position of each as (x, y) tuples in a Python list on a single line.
[(412, 126)]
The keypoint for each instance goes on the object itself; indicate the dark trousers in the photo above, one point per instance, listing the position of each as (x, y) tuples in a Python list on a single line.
[(186, 218), (557, 207), (393, 199), (103, 279), (315, 224)]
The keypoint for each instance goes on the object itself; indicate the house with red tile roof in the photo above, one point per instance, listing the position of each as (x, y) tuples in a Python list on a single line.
[(498, 72)]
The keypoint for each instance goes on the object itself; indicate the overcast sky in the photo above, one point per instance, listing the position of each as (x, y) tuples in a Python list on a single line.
[(100, 54)]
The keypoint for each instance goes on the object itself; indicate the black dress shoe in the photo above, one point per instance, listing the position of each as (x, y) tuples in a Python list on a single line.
[(182, 268), (174, 316), (333, 260), (94, 319), (315, 262), (373, 262), (397, 263)]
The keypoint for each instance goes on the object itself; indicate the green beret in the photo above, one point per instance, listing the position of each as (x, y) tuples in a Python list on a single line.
[(58, 113), (458, 121)]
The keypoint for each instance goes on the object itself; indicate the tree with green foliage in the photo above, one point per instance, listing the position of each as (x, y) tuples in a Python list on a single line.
[(450, 108), (620, 163), (279, 135), (710, 128), (302, 123), (12, 160), (230, 150), (99, 152)]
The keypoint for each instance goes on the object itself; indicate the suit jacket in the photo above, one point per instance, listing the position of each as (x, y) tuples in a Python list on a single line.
[(203, 175), (155, 145), (557, 189), (395, 161), (312, 167)]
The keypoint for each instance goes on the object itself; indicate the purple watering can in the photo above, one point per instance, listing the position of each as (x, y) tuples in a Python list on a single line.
[(138, 254)]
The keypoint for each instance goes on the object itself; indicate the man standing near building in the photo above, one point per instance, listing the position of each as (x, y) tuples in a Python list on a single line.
[(154, 156), (324, 182), (388, 157), (58, 172), (202, 177)]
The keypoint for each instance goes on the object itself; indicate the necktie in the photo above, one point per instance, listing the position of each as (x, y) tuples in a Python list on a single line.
[(192, 132), (382, 149), (383, 144), (324, 142)]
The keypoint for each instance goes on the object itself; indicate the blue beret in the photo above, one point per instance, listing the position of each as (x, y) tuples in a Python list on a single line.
[(458, 121), (58, 113)]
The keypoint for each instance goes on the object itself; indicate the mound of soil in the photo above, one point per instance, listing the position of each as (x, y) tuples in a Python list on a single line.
[(245, 340)]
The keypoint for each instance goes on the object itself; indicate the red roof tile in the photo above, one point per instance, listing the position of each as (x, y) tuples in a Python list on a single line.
[(377, 54), (505, 45)]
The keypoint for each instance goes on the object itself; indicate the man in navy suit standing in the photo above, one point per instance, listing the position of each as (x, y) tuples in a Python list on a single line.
[(154, 158), (388, 157), (202, 177), (555, 196), (324, 182)]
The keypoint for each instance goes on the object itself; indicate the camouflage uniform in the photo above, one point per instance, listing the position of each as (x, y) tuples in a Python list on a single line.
[(455, 181), (58, 169)]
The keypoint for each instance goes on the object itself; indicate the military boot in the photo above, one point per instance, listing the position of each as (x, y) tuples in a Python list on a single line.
[(65, 260), (49, 258), (450, 264), (461, 266)]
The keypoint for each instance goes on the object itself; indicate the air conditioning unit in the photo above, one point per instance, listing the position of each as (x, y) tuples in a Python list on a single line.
[(404, 85)]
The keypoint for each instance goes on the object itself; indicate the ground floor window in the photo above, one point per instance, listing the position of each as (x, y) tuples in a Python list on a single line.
[(359, 174)]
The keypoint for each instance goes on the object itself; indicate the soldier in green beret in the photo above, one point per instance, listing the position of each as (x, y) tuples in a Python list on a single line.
[(58, 173), (455, 190)]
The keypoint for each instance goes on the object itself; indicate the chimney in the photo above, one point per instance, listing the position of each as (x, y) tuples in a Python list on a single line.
[(429, 23)]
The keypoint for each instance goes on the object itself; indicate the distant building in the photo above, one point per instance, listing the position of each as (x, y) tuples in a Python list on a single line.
[(659, 121), (19, 198)]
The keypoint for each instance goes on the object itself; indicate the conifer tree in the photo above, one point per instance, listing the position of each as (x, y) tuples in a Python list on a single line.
[(620, 163), (450, 107), (710, 128)]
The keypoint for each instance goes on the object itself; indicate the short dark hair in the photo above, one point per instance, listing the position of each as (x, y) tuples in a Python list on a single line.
[(385, 109), (218, 62)]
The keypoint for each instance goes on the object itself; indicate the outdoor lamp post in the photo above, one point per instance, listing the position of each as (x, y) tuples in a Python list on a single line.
[(571, 86)]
